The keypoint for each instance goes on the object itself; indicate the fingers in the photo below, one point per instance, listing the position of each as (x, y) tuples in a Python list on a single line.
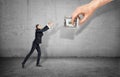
[(83, 19), (50, 23), (79, 18), (74, 16)]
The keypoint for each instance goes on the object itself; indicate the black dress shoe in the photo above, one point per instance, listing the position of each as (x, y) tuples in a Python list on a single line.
[(23, 66), (38, 65)]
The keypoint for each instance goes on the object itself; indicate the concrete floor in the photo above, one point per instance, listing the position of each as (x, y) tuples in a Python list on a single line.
[(61, 67)]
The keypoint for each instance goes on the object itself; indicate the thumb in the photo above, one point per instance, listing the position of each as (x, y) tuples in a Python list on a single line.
[(84, 19)]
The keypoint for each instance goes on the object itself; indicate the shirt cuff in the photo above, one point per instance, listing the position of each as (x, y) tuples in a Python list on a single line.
[(48, 26)]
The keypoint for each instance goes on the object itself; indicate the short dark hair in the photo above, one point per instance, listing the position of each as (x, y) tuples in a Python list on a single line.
[(37, 25)]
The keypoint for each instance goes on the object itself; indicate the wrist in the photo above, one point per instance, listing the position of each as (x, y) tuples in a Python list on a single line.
[(98, 3), (94, 4)]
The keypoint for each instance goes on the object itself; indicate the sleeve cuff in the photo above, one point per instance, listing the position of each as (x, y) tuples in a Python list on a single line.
[(48, 26)]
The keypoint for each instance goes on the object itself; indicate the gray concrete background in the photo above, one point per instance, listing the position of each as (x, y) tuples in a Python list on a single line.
[(100, 36)]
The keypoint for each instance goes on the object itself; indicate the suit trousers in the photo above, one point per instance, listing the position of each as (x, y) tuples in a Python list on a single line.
[(34, 46)]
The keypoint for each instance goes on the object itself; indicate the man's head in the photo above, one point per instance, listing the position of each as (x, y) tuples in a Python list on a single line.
[(38, 26)]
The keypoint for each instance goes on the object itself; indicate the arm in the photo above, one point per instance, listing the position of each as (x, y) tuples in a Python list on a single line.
[(46, 27), (43, 30), (99, 3), (88, 9)]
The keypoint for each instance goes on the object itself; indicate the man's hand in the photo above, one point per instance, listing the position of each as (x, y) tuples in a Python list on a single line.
[(50, 24), (87, 10)]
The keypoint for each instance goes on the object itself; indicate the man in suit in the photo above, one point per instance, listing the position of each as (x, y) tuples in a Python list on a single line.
[(36, 42)]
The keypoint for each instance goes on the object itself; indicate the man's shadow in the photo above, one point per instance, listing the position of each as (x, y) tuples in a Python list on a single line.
[(45, 39)]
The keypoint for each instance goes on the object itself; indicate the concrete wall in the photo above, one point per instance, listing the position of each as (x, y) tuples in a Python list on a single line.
[(100, 36)]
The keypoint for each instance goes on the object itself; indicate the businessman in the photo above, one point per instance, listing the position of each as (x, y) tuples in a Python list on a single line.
[(36, 42)]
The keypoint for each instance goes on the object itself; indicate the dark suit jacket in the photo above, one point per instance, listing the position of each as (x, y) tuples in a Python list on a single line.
[(39, 34)]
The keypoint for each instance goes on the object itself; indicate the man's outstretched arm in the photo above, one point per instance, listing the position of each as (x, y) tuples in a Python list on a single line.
[(46, 27), (88, 9)]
